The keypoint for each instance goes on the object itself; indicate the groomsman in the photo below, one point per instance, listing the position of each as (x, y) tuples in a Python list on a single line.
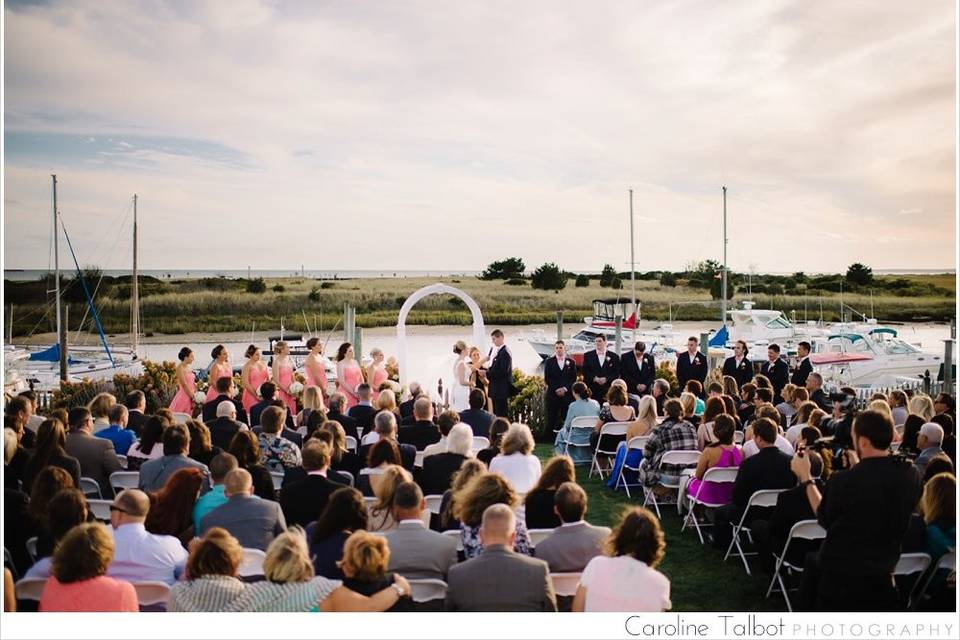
[(499, 373), (560, 373), (738, 366), (691, 365), (638, 370), (804, 367), (777, 370), (600, 368)]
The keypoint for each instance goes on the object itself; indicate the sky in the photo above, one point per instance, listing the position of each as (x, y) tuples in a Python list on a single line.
[(443, 136)]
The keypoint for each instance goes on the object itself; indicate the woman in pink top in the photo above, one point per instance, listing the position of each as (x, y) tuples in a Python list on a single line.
[(79, 582), (254, 373), (376, 373), (722, 453), (219, 369), (282, 376), (186, 384), (316, 372), (349, 374)]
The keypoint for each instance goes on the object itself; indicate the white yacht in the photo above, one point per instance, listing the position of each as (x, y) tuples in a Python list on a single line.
[(859, 357)]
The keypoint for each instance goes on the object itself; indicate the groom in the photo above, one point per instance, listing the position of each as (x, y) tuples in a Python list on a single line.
[(499, 373)]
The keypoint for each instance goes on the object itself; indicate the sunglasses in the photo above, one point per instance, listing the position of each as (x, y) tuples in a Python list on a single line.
[(114, 507)]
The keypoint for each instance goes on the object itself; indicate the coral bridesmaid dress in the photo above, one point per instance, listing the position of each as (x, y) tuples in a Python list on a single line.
[(286, 379), (352, 377), (379, 377), (183, 400), (217, 372), (258, 375), (314, 382)]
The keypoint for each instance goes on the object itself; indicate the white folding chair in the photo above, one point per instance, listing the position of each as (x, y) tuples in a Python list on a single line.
[(636, 442), (277, 477), (947, 561), (351, 444), (803, 530), (90, 487), (909, 564), (583, 424), (30, 588), (676, 457), (538, 535), (182, 418), (716, 475), (31, 545), (418, 459), (427, 589), (123, 461), (738, 437), (565, 584), (609, 429), (455, 533), (100, 509), (121, 480), (480, 443), (252, 563), (152, 593), (433, 503), (761, 498)]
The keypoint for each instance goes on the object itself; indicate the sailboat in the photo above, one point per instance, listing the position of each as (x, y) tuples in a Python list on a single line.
[(44, 367)]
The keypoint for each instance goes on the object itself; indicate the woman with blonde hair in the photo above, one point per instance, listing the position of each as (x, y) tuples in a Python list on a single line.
[(730, 387), (387, 401), (376, 373), (281, 374), (100, 410), (939, 508), (364, 565), (516, 460), (381, 512), (921, 411), (898, 407), (312, 401), (689, 403), (801, 420), (644, 425), (472, 500)]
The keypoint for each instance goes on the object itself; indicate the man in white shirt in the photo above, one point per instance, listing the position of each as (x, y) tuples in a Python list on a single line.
[(575, 542), (416, 552), (140, 556)]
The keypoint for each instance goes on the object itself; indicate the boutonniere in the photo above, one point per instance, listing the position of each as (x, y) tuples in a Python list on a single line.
[(607, 359)]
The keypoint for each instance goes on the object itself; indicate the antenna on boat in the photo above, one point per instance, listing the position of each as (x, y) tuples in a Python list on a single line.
[(135, 289), (61, 329), (633, 283), (723, 281)]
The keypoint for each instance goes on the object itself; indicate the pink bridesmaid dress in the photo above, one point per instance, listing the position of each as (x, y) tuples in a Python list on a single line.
[(352, 377), (313, 382), (258, 375), (183, 400), (379, 377), (286, 379), (217, 372)]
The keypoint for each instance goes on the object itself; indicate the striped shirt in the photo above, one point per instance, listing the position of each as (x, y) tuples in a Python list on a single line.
[(226, 593)]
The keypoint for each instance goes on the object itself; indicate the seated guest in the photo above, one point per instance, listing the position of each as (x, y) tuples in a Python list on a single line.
[(381, 510), (516, 460), (48, 483), (385, 428), (632, 552), (689, 403), (787, 407), (768, 411), (225, 426), (268, 392), (202, 448), (722, 453), (364, 566), (444, 422), (500, 579), (96, 456), (252, 521), (226, 391), (51, 440), (16, 415), (661, 388), (406, 407), (416, 552), (928, 442), (100, 410), (312, 403), (497, 430), (364, 410), (673, 434), (117, 432), (921, 412), (938, 506), (476, 416), (66, 509), (801, 419), (302, 501), (539, 511), (581, 407), (438, 469), (382, 455), (149, 447), (220, 466), (616, 410), (471, 501), (276, 452), (345, 513), (713, 408), (176, 444), (171, 507), (136, 403), (471, 468), (644, 425), (15, 455), (768, 469), (336, 404), (898, 407), (246, 449), (342, 459), (944, 403), (747, 404), (34, 420), (78, 582), (949, 443), (422, 432), (696, 388), (572, 544), (141, 556)]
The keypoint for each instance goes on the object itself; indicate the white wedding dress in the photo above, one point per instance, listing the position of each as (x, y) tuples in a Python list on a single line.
[(460, 392)]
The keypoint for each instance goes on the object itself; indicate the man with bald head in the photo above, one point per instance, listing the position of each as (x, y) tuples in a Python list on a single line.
[(252, 521), (140, 556), (499, 579), (225, 426)]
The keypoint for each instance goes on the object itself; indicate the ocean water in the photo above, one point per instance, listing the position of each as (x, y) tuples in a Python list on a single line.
[(22, 275)]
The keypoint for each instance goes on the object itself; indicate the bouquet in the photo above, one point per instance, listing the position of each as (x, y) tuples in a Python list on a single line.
[(296, 388), (199, 397)]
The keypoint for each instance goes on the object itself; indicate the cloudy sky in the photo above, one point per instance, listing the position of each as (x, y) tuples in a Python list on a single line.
[(440, 135)]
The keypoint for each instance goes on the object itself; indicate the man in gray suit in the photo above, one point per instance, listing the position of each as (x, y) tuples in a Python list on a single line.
[(575, 542), (97, 457), (499, 579), (252, 521), (415, 551), (176, 444)]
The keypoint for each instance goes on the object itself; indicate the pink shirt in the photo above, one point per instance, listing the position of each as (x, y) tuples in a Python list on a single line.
[(96, 594), (604, 578)]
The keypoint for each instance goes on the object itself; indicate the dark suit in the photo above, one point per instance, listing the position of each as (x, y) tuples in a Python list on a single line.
[(438, 471), (222, 431), (287, 434), (636, 372), (257, 409), (295, 474), (303, 501), (349, 424), (420, 434), (500, 580), (408, 455), (406, 408), (209, 413), (800, 374), (97, 458), (779, 375), (500, 375), (363, 414), (558, 378), (135, 421), (479, 420), (593, 368), (742, 373), (687, 371), (823, 401)]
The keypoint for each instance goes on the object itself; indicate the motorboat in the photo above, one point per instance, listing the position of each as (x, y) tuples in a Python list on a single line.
[(863, 358)]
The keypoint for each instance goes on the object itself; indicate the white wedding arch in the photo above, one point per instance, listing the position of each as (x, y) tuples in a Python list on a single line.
[(479, 332)]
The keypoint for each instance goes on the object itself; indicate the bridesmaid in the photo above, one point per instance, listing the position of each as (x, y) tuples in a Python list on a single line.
[(376, 373), (219, 369), (254, 373), (316, 372), (349, 374), (186, 384), (282, 376)]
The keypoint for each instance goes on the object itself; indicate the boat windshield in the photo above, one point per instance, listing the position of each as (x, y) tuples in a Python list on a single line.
[(778, 323), (896, 347), (586, 336)]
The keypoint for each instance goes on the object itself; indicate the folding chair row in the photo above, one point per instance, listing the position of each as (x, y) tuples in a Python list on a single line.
[(680, 458), (761, 498), (636, 442), (715, 475), (610, 429)]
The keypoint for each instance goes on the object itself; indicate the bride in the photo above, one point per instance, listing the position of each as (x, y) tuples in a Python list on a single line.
[(460, 392)]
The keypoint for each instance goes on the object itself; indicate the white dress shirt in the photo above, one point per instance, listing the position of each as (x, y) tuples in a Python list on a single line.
[(523, 471), (140, 556), (437, 447)]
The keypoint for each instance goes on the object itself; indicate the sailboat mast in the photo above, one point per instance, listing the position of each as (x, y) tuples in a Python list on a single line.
[(723, 281), (61, 330), (135, 290), (633, 283)]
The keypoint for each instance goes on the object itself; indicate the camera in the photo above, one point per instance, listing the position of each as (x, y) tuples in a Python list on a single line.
[(847, 402), (831, 450)]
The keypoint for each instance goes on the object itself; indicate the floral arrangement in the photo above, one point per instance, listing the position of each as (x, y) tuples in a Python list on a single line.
[(156, 382), (666, 371), (527, 406)]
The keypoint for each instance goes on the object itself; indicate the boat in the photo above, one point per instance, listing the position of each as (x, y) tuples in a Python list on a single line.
[(862, 358)]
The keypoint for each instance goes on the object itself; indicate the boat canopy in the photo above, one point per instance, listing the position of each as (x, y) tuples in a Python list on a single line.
[(852, 337), (50, 354), (887, 330)]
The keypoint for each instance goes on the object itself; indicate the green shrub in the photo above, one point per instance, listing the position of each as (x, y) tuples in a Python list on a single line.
[(327, 285), (257, 285), (582, 281), (314, 295), (279, 288), (548, 276)]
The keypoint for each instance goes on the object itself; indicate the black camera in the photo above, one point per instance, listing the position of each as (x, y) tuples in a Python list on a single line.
[(847, 402), (832, 453)]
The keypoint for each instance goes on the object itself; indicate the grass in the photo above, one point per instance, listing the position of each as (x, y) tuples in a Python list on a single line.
[(699, 579)]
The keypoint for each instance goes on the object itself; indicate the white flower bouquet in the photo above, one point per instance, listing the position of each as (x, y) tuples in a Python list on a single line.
[(296, 388), (199, 397)]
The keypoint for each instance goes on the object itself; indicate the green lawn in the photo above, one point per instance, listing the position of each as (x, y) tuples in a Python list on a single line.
[(700, 581)]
